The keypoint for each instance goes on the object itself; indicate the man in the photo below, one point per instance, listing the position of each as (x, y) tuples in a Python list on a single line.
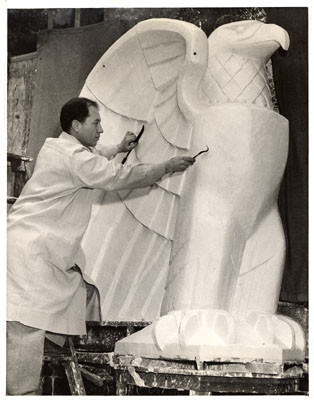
[(46, 290)]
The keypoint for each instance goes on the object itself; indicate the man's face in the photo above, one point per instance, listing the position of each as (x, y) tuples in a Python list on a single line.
[(90, 130)]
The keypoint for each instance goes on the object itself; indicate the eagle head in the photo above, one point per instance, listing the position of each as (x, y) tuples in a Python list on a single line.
[(250, 38)]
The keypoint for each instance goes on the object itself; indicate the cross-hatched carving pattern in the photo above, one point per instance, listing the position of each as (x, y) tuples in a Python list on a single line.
[(233, 78)]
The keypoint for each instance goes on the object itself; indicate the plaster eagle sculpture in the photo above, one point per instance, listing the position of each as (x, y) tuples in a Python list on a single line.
[(204, 248)]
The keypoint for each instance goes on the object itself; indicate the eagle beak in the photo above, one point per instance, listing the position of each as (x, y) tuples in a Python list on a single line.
[(276, 33)]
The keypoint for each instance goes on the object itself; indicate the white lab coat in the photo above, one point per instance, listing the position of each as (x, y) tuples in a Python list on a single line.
[(46, 225)]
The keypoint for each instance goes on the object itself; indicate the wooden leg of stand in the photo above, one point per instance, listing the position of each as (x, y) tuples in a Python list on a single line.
[(74, 378), (121, 389), (197, 393), (73, 373)]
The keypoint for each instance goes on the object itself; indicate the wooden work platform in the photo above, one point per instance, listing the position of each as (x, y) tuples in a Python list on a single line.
[(90, 366), (208, 377)]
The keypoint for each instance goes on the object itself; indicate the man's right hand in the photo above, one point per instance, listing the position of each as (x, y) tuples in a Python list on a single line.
[(177, 164)]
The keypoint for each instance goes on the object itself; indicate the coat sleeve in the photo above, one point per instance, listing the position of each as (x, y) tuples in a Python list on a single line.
[(107, 151), (97, 172)]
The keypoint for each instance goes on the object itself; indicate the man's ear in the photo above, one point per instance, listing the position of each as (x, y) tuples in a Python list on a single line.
[(76, 125)]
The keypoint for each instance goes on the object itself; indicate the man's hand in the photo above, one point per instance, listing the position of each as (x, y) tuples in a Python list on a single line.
[(128, 143), (177, 164)]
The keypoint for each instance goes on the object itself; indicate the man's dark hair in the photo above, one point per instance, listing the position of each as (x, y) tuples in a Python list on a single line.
[(76, 108)]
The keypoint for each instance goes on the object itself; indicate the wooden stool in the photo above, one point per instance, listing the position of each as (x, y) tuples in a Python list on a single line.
[(66, 357)]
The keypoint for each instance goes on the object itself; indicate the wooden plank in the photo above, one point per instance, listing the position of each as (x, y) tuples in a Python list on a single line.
[(17, 157), (95, 375), (18, 172), (50, 19), (195, 393), (23, 57), (10, 184), (94, 357), (101, 337), (118, 323), (269, 386), (245, 378), (73, 373), (77, 18), (21, 87), (121, 390), (74, 378), (250, 370)]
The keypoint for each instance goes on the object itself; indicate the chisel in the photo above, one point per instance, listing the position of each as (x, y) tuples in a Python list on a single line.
[(135, 141)]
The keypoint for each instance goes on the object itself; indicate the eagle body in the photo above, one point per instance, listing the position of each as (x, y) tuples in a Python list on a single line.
[(229, 194), (227, 197)]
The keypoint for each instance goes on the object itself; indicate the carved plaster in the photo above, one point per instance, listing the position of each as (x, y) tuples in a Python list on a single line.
[(205, 248)]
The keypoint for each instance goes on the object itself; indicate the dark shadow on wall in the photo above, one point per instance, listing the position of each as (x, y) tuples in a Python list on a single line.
[(291, 79)]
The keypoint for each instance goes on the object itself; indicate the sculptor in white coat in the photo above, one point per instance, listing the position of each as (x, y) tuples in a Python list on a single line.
[(207, 245)]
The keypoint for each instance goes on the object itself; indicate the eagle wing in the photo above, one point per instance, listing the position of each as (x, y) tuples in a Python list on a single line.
[(147, 77)]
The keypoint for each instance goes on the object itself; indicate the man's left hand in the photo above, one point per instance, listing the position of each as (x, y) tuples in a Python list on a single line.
[(128, 143)]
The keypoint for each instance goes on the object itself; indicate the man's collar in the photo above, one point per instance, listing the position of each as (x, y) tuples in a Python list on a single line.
[(67, 136)]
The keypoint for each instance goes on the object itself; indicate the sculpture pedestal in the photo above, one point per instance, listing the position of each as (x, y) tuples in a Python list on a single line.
[(207, 378), (214, 335)]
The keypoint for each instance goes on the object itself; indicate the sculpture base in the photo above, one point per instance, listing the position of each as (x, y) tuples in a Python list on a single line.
[(214, 335)]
